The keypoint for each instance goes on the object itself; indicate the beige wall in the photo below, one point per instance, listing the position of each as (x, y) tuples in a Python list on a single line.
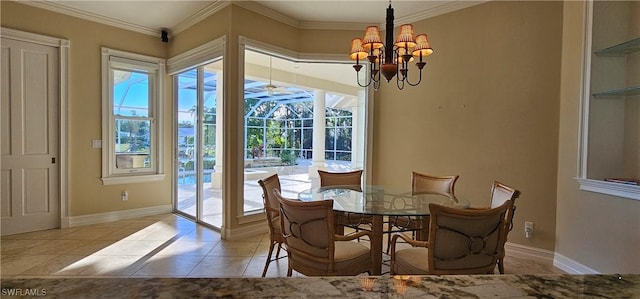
[(87, 195), (598, 231), (499, 101), (487, 109)]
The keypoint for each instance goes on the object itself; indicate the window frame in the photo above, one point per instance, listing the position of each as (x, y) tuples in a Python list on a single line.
[(155, 68), (366, 95)]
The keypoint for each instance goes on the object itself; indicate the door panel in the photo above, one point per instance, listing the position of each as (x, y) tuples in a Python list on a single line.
[(29, 146), (186, 155), (35, 103), (5, 192), (36, 200), (199, 146)]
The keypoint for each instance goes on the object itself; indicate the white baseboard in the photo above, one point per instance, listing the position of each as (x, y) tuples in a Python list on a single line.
[(517, 250), (570, 266), (115, 216), (245, 231), (546, 256)]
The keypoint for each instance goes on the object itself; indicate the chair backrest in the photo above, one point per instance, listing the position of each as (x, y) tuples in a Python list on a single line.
[(500, 193), (307, 227), (271, 204), (466, 241), (350, 178), (428, 184)]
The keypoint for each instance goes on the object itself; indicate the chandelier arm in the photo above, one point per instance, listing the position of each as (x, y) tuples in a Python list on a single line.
[(398, 81), (419, 79), (358, 80), (375, 76)]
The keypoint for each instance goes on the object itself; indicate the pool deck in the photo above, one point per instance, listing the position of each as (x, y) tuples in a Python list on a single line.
[(293, 180)]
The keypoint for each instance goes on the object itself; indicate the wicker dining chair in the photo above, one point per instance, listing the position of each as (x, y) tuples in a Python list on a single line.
[(421, 184), (272, 208), (461, 241), (313, 247), (501, 193), (350, 180)]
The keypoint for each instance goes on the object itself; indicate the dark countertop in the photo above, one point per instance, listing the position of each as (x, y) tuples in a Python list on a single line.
[(448, 286)]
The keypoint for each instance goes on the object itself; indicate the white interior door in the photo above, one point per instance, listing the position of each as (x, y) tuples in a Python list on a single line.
[(29, 143)]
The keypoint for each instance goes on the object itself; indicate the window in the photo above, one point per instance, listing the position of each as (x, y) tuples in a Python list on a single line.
[(338, 135), (297, 119), (131, 125)]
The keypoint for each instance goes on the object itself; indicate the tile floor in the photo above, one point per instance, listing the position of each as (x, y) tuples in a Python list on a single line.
[(156, 246)]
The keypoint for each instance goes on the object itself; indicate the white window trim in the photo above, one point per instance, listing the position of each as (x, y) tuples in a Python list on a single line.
[(109, 176), (586, 184), (245, 43)]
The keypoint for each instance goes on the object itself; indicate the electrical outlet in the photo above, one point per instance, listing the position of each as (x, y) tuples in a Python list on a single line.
[(528, 229), (124, 195)]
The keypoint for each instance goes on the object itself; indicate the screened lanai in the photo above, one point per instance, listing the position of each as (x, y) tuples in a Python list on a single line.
[(280, 125)]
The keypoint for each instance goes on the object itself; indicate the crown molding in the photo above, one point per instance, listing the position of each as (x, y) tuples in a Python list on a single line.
[(211, 9), (333, 25), (53, 6), (218, 5), (444, 8), (267, 12)]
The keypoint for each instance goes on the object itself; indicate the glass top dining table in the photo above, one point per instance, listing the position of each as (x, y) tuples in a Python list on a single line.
[(380, 201)]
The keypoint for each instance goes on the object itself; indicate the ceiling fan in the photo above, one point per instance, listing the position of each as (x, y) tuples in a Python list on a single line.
[(271, 88)]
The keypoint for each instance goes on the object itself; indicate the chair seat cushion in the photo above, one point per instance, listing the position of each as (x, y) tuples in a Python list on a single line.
[(348, 250), (412, 261), (350, 258)]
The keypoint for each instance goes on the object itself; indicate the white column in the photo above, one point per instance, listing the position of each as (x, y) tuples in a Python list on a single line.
[(357, 132), (319, 119), (355, 128), (216, 177)]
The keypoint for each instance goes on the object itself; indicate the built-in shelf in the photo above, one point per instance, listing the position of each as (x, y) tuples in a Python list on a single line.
[(610, 77), (615, 189), (624, 92), (622, 49)]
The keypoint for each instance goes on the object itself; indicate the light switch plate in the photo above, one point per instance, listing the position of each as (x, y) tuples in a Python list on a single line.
[(96, 143)]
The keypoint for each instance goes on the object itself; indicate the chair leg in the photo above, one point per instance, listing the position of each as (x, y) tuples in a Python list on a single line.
[(266, 264), (339, 229), (289, 271), (278, 251), (501, 265)]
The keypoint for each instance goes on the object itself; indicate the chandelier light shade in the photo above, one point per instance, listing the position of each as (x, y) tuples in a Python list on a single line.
[(357, 52), (389, 59)]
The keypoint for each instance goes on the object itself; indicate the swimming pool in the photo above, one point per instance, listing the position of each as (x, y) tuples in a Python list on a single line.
[(190, 179)]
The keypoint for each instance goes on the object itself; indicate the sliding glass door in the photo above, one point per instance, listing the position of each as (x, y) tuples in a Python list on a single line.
[(199, 143)]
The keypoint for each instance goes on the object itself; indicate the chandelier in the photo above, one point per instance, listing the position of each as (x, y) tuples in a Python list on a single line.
[(389, 59)]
